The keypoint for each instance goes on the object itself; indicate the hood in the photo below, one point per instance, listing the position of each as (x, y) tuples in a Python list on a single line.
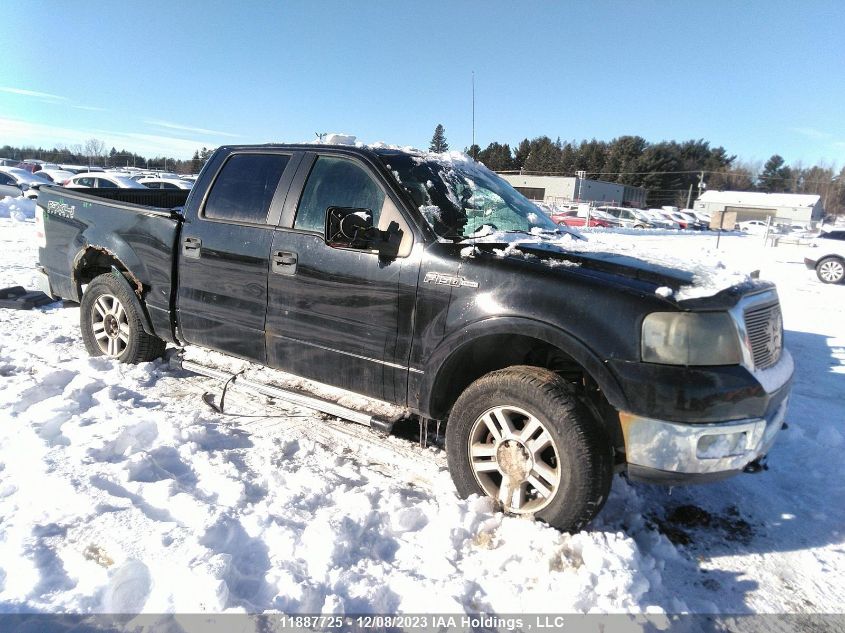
[(677, 277)]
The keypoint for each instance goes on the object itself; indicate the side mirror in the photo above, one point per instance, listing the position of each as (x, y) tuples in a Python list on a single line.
[(23, 186), (350, 227)]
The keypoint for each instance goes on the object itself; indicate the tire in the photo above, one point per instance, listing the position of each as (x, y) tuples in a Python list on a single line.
[(831, 270), (549, 445), (111, 325)]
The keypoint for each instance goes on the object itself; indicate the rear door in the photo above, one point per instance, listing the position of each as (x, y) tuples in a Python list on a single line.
[(224, 253), (341, 316)]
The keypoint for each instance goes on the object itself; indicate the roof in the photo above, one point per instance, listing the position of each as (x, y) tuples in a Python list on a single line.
[(760, 199)]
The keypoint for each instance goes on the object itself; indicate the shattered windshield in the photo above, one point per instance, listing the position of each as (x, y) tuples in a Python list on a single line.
[(461, 198)]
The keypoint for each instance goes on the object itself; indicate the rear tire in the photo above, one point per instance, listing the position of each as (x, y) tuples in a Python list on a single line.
[(520, 435), (111, 324), (831, 270)]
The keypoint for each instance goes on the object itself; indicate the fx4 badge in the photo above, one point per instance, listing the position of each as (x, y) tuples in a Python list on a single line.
[(448, 280)]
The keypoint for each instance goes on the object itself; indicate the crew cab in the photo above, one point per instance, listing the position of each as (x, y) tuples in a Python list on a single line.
[(427, 282)]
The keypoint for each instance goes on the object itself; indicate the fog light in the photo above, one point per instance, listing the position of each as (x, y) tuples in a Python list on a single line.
[(721, 445)]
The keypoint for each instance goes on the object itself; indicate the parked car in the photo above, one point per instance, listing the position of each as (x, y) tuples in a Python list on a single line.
[(101, 180), (79, 169), (571, 218), (660, 219), (691, 221), (165, 183), (359, 267), (702, 217), (57, 176), (755, 227), (826, 255), (629, 218), (26, 183)]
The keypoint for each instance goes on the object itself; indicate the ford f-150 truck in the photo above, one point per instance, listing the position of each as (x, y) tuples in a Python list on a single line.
[(427, 282)]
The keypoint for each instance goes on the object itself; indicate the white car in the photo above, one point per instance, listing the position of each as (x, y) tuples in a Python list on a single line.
[(58, 176), (16, 182), (165, 183), (756, 227), (101, 180), (826, 255)]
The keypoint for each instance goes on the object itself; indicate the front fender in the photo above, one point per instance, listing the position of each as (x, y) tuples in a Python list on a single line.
[(595, 366)]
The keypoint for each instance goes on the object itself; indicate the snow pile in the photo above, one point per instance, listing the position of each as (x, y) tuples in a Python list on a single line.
[(336, 139), (121, 492), (19, 209)]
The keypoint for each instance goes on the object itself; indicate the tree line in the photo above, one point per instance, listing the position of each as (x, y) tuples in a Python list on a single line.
[(670, 171), (94, 153)]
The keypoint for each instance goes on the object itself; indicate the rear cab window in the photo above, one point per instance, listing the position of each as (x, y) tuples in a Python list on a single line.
[(244, 188)]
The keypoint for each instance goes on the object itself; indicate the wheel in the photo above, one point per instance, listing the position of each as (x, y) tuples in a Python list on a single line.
[(111, 325), (521, 436), (831, 270)]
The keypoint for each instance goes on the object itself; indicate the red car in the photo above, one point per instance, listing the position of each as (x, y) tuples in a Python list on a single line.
[(571, 218)]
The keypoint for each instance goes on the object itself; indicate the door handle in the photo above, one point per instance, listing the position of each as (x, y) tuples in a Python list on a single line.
[(191, 247), (283, 262)]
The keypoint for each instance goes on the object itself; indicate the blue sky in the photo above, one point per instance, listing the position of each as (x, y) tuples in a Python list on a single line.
[(169, 77)]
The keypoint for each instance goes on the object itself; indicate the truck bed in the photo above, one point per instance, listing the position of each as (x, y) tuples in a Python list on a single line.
[(93, 229), (158, 199)]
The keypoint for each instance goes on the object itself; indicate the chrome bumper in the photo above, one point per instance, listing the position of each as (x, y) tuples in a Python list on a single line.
[(706, 449)]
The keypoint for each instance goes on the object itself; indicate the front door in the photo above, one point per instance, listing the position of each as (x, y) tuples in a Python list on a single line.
[(341, 316), (224, 251)]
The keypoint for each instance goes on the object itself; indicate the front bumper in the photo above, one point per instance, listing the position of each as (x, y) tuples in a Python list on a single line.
[(666, 451)]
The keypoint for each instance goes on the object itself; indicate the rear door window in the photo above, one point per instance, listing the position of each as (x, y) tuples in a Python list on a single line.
[(244, 188), (102, 183)]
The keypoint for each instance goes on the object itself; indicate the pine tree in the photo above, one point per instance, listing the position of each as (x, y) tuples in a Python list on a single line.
[(775, 176), (438, 141)]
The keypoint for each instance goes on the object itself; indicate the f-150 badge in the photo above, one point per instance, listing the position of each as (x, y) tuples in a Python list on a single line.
[(448, 280)]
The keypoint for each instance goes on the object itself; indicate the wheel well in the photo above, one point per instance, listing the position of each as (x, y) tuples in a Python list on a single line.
[(498, 351), (96, 261)]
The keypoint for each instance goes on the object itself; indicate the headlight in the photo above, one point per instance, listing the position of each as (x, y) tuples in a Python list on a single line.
[(689, 338)]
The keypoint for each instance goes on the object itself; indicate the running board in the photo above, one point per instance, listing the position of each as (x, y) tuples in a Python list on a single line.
[(318, 404)]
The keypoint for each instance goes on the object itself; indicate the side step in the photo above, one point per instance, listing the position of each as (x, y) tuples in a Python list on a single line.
[(318, 404)]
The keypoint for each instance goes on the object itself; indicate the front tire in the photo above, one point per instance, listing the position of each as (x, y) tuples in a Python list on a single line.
[(521, 436), (111, 325), (830, 270)]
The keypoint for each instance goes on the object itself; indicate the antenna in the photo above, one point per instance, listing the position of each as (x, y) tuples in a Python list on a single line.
[(473, 115)]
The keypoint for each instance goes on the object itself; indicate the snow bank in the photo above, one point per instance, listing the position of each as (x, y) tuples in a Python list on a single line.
[(19, 209), (121, 492)]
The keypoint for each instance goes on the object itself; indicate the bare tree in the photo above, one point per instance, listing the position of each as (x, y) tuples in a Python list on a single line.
[(94, 148)]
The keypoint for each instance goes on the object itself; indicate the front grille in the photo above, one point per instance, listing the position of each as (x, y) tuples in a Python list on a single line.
[(764, 328)]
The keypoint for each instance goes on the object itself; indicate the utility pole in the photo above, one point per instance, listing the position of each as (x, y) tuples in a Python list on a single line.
[(473, 115), (579, 177), (701, 184), (689, 196)]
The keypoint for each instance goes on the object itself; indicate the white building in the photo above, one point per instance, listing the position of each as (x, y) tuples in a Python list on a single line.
[(574, 189), (783, 208)]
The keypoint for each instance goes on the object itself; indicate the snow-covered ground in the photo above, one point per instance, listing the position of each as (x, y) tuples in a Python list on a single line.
[(120, 491)]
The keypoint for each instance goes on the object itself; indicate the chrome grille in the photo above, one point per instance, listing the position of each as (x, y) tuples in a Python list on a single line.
[(764, 328)]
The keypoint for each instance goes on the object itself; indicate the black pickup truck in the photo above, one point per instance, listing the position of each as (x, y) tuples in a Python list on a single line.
[(427, 282)]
